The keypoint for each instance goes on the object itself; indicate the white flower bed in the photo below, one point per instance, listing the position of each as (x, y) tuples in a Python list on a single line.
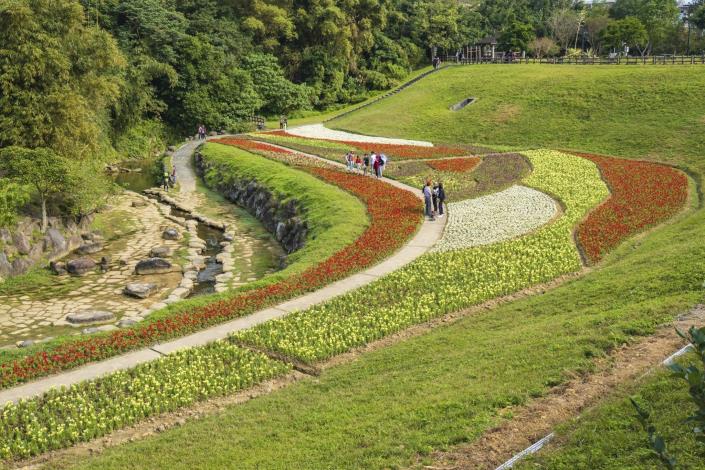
[(319, 131), (494, 218)]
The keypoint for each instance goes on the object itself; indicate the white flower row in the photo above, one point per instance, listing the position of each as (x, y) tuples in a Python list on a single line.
[(497, 217), (319, 131)]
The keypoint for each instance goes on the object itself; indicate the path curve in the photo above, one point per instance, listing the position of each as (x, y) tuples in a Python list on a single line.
[(426, 237), (319, 131)]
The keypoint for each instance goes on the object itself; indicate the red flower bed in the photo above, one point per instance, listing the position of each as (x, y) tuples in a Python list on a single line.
[(251, 145), (393, 150), (643, 194), (455, 165), (394, 214)]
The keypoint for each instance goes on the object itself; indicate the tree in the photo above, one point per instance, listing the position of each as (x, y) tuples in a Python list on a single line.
[(697, 16), (542, 47), (517, 36), (277, 93), (628, 31), (657, 17), (596, 21), (59, 78), (565, 24), (40, 168)]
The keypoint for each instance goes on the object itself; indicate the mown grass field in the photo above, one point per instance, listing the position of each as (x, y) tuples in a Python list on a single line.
[(398, 404)]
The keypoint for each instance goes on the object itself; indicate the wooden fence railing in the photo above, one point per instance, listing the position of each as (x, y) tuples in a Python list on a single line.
[(646, 60)]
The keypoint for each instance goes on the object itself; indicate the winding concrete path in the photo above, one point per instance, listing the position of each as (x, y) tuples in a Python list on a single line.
[(427, 236)]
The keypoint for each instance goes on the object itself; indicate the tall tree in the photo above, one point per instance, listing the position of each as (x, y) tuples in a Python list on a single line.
[(41, 168), (657, 16), (565, 24)]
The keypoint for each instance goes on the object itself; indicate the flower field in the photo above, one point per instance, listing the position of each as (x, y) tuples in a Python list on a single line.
[(391, 224), (444, 282), (336, 149), (92, 409), (493, 173), (496, 217), (273, 152), (643, 195), (455, 165)]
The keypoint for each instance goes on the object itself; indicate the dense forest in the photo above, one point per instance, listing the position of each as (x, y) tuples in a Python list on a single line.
[(90, 81)]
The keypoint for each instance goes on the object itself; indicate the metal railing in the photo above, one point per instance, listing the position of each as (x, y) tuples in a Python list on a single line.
[(619, 60)]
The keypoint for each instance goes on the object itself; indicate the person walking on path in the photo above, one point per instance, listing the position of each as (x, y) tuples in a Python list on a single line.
[(427, 199), (376, 164), (441, 198), (382, 164), (173, 176), (365, 164), (358, 163), (165, 182), (434, 198)]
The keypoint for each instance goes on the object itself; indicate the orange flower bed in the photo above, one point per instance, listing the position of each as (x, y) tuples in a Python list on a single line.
[(643, 194)]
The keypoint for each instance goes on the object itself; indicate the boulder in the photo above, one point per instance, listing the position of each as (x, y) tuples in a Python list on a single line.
[(98, 329), (21, 242), (153, 266), (89, 316), (139, 203), (5, 265), (171, 234), (25, 344), (160, 252), (58, 268), (20, 266), (89, 248), (228, 237), (125, 322), (141, 290), (57, 241), (80, 266)]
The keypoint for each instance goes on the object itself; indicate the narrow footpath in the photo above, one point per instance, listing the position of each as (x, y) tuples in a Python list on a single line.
[(427, 236)]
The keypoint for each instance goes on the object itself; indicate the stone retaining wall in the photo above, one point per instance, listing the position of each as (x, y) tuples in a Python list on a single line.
[(23, 246), (283, 220)]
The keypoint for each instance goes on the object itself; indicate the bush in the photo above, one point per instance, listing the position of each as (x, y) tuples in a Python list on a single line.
[(12, 197)]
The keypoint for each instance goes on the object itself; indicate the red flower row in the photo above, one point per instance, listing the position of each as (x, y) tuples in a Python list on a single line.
[(455, 165), (393, 150), (643, 194), (394, 214)]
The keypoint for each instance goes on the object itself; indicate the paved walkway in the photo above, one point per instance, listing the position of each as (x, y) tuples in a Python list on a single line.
[(423, 241), (319, 131)]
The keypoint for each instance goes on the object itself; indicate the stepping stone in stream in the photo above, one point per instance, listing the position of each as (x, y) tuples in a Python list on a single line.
[(171, 234), (155, 266), (89, 316), (160, 252), (141, 290), (80, 266), (89, 248)]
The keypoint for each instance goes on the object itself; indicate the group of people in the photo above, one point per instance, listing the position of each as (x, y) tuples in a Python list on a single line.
[(436, 62), (372, 162), (434, 197), (169, 180), (201, 132)]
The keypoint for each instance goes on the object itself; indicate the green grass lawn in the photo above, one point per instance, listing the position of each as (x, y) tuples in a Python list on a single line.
[(626, 111), (452, 384)]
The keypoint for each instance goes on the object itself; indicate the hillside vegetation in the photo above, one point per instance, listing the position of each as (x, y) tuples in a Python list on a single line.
[(393, 407)]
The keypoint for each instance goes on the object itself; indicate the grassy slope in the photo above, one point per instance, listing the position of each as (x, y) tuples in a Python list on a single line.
[(627, 111), (451, 384), (621, 441), (335, 218)]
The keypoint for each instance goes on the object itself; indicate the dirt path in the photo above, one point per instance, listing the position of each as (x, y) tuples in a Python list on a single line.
[(534, 421)]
